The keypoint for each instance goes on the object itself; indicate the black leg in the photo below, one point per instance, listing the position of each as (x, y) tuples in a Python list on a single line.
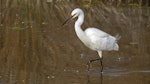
[(101, 65), (88, 64)]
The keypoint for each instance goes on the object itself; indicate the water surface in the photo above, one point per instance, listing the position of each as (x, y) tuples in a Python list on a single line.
[(36, 49)]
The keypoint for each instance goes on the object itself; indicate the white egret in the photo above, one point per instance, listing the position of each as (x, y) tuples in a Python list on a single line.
[(93, 38)]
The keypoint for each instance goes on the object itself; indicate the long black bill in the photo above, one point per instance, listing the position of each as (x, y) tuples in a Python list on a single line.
[(67, 20)]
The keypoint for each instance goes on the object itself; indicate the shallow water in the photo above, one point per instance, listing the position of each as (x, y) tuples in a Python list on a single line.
[(36, 48)]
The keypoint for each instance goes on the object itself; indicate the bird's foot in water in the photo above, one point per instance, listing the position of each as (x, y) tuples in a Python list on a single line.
[(93, 60)]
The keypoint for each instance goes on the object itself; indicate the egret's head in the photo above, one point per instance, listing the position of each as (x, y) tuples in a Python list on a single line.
[(75, 13)]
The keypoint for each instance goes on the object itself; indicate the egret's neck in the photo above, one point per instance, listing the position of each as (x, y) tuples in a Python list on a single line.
[(80, 33), (78, 23)]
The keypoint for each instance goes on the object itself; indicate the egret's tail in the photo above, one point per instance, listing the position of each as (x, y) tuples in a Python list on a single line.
[(116, 46), (117, 36)]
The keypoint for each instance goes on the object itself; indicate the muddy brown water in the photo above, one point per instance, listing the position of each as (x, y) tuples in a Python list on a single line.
[(36, 49)]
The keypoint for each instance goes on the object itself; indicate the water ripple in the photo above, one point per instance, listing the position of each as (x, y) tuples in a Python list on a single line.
[(117, 72)]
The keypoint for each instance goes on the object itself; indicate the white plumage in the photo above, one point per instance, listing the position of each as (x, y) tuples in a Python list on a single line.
[(101, 40)]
